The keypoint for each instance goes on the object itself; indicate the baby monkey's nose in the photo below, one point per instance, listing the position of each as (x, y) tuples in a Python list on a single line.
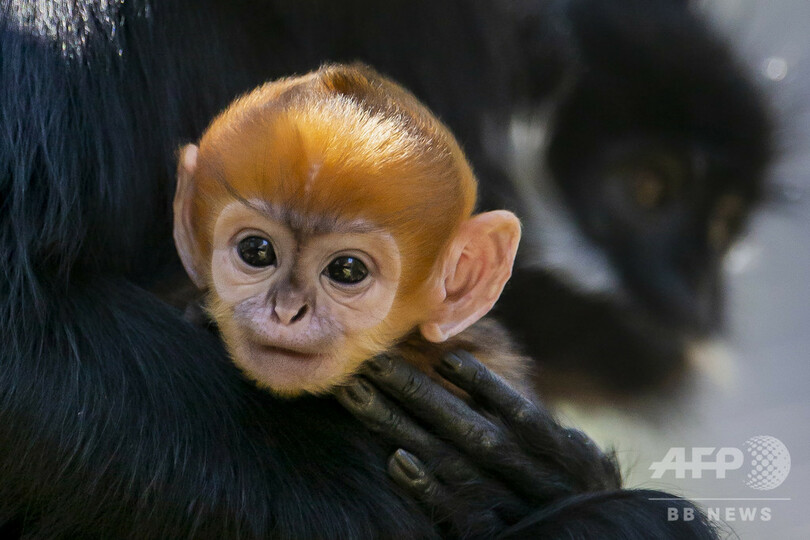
[(290, 313)]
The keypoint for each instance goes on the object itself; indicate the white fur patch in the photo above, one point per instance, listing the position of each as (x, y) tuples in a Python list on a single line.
[(552, 239)]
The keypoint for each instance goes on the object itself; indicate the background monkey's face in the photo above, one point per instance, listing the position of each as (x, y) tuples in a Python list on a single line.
[(302, 301), (676, 141), (663, 223)]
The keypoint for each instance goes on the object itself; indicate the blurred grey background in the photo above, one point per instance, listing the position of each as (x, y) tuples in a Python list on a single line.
[(757, 380)]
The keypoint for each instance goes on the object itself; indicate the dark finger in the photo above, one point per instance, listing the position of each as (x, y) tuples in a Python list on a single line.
[(369, 406), (425, 398), (447, 509), (412, 475), (490, 391)]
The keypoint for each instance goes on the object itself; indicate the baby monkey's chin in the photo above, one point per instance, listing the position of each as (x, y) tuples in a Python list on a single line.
[(289, 372)]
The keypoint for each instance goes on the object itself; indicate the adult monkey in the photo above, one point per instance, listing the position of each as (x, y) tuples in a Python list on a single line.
[(116, 419)]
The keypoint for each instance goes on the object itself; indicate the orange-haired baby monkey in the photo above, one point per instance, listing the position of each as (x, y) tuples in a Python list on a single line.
[(329, 218)]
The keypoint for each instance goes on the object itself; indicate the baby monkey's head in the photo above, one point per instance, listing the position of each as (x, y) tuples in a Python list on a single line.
[(327, 216)]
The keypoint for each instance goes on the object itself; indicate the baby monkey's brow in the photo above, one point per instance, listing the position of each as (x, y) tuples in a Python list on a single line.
[(308, 223)]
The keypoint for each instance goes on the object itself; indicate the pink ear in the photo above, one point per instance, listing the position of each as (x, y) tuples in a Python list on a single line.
[(477, 266), (183, 226)]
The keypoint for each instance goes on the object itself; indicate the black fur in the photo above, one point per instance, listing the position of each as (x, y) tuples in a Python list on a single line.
[(119, 419), (607, 515)]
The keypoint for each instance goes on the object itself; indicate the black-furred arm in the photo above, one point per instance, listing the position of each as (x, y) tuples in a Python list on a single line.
[(622, 347)]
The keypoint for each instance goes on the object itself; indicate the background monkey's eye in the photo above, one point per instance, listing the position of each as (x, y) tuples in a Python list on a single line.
[(651, 181), (256, 251), (346, 270), (649, 189)]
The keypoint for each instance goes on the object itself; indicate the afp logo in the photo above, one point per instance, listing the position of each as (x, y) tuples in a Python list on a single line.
[(767, 464)]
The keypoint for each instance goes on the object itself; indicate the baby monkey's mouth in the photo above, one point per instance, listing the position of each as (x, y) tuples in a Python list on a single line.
[(291, 353)]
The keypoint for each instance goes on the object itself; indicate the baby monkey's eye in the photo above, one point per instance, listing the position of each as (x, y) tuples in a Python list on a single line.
[(346, 269), (256, 251)]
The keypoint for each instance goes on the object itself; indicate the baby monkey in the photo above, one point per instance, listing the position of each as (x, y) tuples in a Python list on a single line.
[(329, 218)]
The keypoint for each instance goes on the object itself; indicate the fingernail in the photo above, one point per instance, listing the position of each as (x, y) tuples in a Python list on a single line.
[(407, 463), (359, 392), (451, 361), (379, 363)]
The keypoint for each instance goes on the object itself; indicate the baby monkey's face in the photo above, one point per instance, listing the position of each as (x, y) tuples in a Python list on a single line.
[(301, 300)]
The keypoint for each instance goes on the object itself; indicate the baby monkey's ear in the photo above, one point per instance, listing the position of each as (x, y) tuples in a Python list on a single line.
[(184, 237), (476, 266)]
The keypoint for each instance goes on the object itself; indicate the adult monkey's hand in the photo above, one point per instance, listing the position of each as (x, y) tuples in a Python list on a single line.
[(478, 468)]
